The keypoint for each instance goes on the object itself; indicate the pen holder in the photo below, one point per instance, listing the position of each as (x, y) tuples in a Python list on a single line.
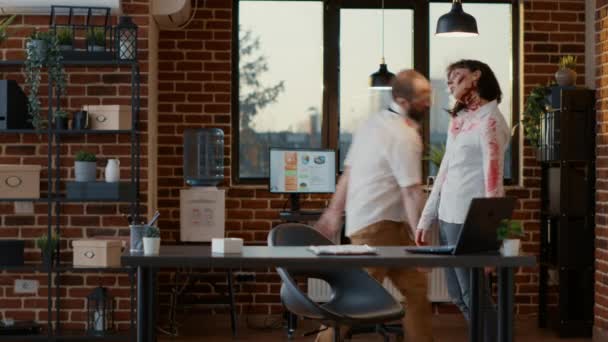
[(137, 237)]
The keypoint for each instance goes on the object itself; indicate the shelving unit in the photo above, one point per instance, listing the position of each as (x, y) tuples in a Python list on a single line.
[(567, 156), (55, 199)]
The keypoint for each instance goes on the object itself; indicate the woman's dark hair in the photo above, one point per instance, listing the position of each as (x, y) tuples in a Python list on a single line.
[(487, 85)]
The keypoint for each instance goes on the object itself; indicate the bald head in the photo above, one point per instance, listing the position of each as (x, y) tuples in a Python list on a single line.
[(412, 91), (407, 83)]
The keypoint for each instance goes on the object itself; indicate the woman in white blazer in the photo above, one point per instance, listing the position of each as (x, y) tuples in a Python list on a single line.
[(472, 167)]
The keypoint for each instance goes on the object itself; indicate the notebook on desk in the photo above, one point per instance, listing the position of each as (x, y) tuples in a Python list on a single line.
[(479, 231)]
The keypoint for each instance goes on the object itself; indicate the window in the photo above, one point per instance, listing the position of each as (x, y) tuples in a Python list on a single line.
[(280, 79), (361, 37), (304, 66)]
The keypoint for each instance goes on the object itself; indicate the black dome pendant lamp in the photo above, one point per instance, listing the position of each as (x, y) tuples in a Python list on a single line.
[(381, 78), (456, 23)]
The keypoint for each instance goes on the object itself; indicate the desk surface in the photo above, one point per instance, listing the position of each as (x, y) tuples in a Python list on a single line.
[(262, 256)]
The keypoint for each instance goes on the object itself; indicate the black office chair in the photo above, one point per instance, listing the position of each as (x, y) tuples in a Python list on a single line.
[(357, 298)]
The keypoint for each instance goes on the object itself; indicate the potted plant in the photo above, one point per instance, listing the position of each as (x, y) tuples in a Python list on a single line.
[(96, 39), (65, 39), (509, 232), (47, 247), (42, 49), (151, 240), (565, 75), (85, 167), (535, 108), (3, 25), (61, 119)]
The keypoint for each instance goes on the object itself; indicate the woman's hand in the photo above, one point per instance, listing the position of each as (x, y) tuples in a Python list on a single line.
[(422, 237)]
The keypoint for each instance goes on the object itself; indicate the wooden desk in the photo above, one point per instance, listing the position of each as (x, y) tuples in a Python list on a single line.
[(294, 257)]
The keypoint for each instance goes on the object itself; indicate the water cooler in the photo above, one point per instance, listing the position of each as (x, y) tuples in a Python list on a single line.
[(202, 207)]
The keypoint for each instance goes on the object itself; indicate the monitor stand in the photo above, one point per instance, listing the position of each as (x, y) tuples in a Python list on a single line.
[(294, 214)]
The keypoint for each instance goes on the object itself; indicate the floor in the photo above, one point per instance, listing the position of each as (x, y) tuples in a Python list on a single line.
[(448, 327)]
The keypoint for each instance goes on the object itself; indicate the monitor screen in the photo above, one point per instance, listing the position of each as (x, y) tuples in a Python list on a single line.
[(302, 170)]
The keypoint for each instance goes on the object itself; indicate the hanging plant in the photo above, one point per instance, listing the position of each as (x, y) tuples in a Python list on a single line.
[(536, 106), (42, 49)]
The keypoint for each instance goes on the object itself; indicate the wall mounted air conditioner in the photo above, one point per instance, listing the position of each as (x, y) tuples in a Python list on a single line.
[(171, 13), (43, 7)]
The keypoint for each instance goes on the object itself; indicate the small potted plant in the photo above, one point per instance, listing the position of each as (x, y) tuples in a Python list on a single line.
[(61, 119), (151, 240), (47, 247), (65, 39), (565, 75), (85, 167), (96, 39), (509, 233)]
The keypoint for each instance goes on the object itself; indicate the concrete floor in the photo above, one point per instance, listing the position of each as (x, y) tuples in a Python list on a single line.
[(447, 327)]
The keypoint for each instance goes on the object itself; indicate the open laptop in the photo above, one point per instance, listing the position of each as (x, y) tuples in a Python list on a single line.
[(479, 232)]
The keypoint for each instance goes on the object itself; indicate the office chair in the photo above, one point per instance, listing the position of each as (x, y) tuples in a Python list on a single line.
[(357, 299)]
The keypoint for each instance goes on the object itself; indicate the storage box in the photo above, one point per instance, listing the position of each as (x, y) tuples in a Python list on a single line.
[(117, 191), (227, 246), (109, 117), (11, 252), (202, 215), (96, 253), (20, 181)]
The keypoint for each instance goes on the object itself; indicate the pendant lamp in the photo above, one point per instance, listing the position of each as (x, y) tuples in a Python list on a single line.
[(381, 78), (456, 23)]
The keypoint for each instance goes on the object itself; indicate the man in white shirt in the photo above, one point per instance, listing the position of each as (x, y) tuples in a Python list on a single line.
[(381, 191)]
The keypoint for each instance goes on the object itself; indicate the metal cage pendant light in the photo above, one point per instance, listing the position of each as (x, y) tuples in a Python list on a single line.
[(456, 23), (381, 78)]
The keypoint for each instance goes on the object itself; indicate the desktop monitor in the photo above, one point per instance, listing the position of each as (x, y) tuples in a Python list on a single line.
[(302, 171)]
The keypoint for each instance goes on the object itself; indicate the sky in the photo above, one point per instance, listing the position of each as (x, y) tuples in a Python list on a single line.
[(291, 36)]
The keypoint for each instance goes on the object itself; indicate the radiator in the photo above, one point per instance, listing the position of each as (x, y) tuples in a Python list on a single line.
[(319, 290)]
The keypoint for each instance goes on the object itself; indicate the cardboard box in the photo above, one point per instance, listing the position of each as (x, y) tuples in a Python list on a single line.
[(97, 253), (202, 214), (109, 117), (20, 181)]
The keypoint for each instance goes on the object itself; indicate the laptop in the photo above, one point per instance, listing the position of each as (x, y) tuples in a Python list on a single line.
[(479, 232)]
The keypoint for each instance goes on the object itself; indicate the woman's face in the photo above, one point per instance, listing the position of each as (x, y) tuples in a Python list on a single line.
[(461, 82)]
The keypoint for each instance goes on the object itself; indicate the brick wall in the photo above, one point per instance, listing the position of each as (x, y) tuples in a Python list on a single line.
[(90, 85), (601, 230), (194, 66), (194, 91)]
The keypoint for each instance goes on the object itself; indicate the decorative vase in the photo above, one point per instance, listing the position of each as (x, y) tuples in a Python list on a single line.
[(112, 172), (40, 46), (81, 120), (510, 247), (85, 171), (61, 123), (151, 246), (565, 77)]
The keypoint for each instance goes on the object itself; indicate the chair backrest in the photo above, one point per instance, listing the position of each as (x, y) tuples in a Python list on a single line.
[(356, 284), (296, 234)]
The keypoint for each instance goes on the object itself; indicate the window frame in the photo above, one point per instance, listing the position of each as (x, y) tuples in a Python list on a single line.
[(330, 127)]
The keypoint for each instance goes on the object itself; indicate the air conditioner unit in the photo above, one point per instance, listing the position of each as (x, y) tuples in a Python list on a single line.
[(43, 7), (171, 13)]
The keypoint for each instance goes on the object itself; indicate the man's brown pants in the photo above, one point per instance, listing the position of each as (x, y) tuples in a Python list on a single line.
[(411, 283)]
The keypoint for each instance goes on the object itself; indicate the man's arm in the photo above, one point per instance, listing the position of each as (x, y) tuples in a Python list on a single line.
[(330, 222), (412, 197)]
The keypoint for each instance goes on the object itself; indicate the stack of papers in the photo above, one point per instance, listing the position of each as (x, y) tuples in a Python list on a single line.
[(342, 250)]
